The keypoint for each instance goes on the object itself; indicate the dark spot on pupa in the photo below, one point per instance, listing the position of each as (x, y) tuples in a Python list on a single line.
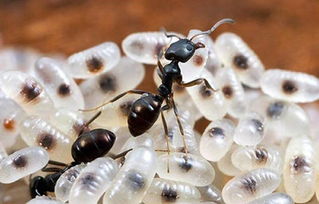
[(46, 140), (205, 92), (227, 91), (64, 90), (30, 90), (185, 163), (241, 62), (216, 132), (20, 161), (88, 180), (169, 194), (137, 46), (299, 164), (94, 64), (126, 107), (258, 125), (289, 87), (250, 185), (9, 124), (261, 155), (275, 109), (107, 83), (136, 180), (198, 60)]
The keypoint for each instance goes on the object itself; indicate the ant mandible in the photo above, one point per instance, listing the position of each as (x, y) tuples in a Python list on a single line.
[(145, 111)]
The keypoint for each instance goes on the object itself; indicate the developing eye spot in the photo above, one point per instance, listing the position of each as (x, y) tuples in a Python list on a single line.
[(169, 194), (289, 87), (95, 64), (250, 185), (241, 62), (20, 161), (107, 83), (9, 124), (227, 91), (217, 132), (64, 90), (47, 141), (30, 91)]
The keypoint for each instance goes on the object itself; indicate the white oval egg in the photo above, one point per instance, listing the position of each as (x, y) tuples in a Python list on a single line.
[(249, 158), (166, 191), (144, 47), (93, 181), (94, 60), (235, 53), (290, 86), (185, 168), (217, 139), (250, 129), (22, 163), (225, 164), (38, 132), (44, 200), (300, 169), (134, 178), (211, 193), (274, 198), (63, 90), (26, 92), (250, 186)]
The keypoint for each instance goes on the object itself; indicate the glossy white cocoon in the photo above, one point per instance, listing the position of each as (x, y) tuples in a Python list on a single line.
[(235, 53), (65, 182), (10, 116), (166, 191), (144, 47), (44, 200), (186, 168), (38, 132), (94, 60), (290, 86), (225, 164), (250, 186), (217, 139), (26, 92), (194, 66), (122, 135), (134, 142), (250, 129), (210, 103), (274, 198), (233, 91), (249, 158), (22, 163), (213, 63), (126, 75), (3, 152), (63, 90), (210, 193), (300, 169), (134, 178), (93, 181)]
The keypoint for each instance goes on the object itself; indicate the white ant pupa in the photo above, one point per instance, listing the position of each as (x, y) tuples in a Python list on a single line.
[(63, 90), (22, 163), (44, 200), (225, 164), (94, 60), (235, 53), (274, 198), (211, 193), (290, 86)]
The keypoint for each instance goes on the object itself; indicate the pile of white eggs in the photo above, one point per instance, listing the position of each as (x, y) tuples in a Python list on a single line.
[(259, 148)]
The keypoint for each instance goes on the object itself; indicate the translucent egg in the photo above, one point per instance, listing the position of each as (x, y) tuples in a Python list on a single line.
[(60, 87), (166, 191), (300, 169), (126, 75), (249, 158), (217, 139), (235, 53), (26, 92), (38, 132), (22, 163), (185, 168), (250, 186), (134, 178), (93, 61), (93, 181), (250, 129), (211, 193), (65, 182), (10, 116), (145, 47), (44, 200), (274, 198), (233, 91), (225, 164), (210, 103), (290, 86)]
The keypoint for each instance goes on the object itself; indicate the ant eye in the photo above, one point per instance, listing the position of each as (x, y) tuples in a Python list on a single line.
[(189, 47)]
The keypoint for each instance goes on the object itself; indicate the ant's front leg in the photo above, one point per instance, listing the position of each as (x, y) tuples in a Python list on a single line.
[(196, 82), (159, 64)]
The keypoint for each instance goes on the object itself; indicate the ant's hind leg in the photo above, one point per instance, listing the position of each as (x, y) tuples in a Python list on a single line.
[(164, 108), (197, 82)]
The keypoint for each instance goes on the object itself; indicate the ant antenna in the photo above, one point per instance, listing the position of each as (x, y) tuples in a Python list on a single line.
[(225, 20), (169, 35)]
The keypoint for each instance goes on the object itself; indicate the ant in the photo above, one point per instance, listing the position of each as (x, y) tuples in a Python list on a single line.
[(90, 145), (145, 111)]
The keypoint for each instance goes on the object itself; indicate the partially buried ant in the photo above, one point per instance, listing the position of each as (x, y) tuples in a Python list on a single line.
[(90, 144), (145, 111)]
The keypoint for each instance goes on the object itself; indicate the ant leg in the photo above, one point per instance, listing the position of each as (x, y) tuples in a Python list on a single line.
[(115, 99), (164, 108), (121, 154), (179, 124), (197, 82), (86, 125), (159, 64), (52, 162), (51, 169)]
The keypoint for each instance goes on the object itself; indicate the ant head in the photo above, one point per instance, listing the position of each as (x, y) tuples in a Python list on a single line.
[(182, 50)]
